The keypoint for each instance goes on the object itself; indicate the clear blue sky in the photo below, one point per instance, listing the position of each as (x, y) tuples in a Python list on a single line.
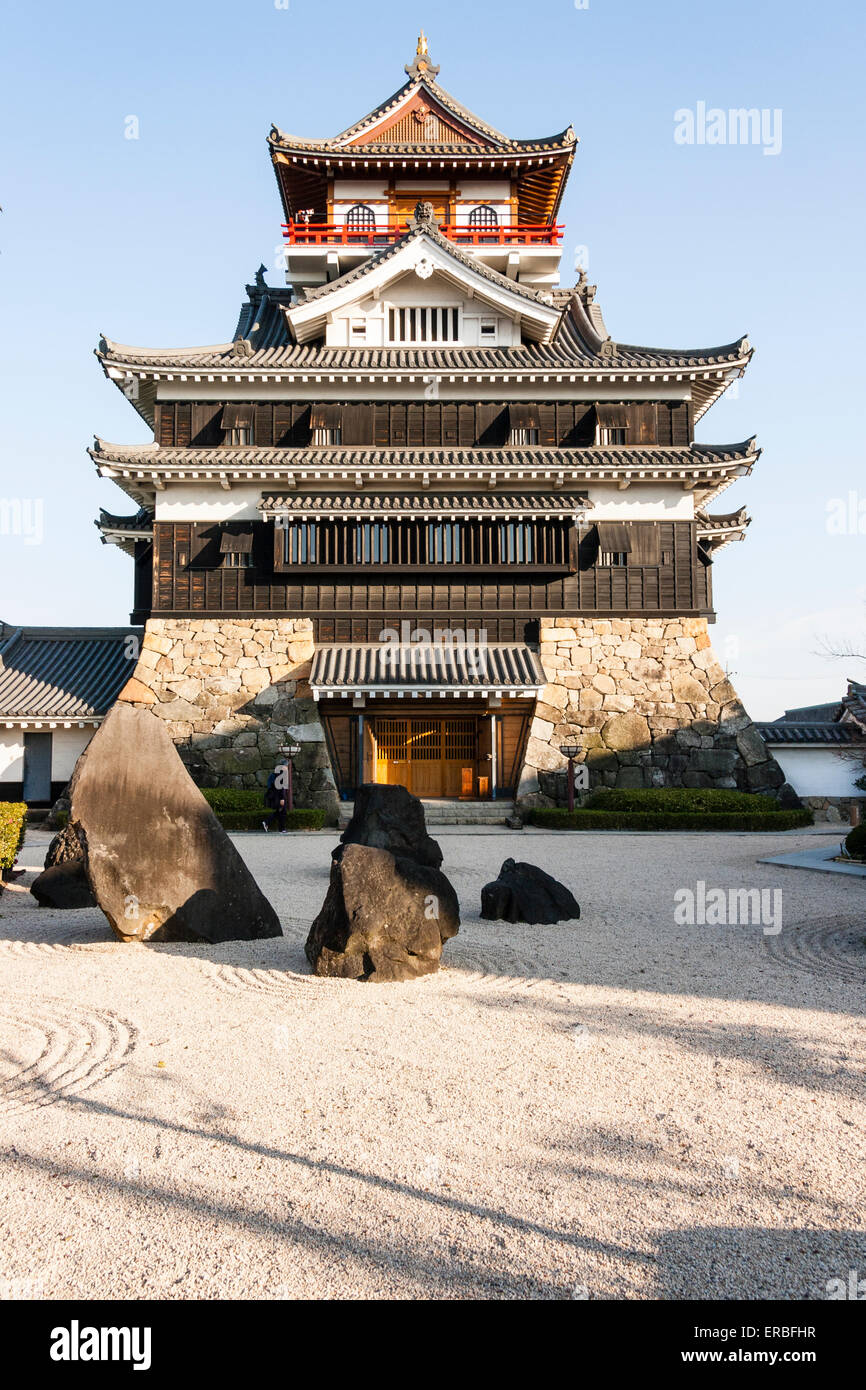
[(152, 240)]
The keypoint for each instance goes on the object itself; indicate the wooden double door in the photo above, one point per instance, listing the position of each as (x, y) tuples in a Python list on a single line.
[(434, 755)]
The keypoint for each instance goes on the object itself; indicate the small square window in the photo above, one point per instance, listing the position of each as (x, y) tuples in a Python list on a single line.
[(359, 330), (488, 329)]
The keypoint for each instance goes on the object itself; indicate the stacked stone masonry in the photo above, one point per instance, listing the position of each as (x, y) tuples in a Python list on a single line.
[(650, 705), (232, 693)]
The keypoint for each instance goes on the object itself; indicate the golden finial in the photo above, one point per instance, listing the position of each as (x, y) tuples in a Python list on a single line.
[(421, 50)]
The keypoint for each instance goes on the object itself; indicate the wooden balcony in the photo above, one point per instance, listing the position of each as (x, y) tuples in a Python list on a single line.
[(340, 234)]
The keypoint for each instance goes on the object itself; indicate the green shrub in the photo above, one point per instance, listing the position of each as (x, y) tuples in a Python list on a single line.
[(305, 818), (555, 819), (13, 817), (234, 799), (687, 800), (855, 842)]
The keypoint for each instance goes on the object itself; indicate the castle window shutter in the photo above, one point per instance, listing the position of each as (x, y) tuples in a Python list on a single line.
[(523, 417), (231, 544), (326, 417), (646, 544), (615, 537), (547, 424), (612, 417), (237, 417), (204, 551)]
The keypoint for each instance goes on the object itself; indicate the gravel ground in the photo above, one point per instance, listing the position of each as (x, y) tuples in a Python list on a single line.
[(617, 1108)]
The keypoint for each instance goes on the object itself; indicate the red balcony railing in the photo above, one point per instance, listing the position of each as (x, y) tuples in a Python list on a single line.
[(339, 234)]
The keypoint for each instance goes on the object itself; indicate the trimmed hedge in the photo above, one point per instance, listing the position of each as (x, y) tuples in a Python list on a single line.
[(585, 819), (855, 842), (13, 818), (244, 809), (222, 799), (682, 800)]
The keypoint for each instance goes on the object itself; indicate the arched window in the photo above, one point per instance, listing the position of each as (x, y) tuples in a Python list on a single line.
[(484, 217), (361, 218)]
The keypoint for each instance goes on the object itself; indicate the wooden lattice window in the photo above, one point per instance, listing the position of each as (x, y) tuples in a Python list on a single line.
[(361, 218), (484, 217)]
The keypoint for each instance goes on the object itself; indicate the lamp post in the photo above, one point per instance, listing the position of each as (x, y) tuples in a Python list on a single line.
[(570, 751), (291, 751)]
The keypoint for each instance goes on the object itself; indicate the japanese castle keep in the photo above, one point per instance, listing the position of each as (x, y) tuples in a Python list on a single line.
[(422, 515)]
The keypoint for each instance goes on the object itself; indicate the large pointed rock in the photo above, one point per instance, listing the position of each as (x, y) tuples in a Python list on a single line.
[(158, 862), (384, 918), (525, 893), (390, 818)]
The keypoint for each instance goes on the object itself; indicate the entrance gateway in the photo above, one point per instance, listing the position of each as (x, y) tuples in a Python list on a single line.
[(435, 719)]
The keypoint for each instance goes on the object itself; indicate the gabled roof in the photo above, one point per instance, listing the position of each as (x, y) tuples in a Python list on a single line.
[(370, 129), (422, 121), (424, 249), (64, 673)]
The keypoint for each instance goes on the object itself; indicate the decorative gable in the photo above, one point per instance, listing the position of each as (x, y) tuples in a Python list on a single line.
[(420, 121)]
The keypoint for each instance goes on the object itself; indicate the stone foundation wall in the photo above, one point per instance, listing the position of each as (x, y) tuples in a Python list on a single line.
[(648, 701), (836, 809), (231, 693)]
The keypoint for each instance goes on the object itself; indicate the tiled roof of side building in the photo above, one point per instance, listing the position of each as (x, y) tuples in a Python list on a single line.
[(811, 732), (63, 673)]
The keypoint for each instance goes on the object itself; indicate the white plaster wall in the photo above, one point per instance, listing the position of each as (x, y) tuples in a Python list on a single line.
[(818, 771), (359, 190), (479, 190), (11, 755), (203, 501), (66, 747), (641, 502)]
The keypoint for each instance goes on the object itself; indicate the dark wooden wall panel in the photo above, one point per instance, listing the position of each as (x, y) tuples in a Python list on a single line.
[(434, 424)]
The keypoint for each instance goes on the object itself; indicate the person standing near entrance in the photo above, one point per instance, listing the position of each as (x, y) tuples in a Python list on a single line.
[(276, 797)]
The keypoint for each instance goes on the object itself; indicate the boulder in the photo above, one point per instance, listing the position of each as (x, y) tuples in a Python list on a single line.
[(64, 847), (390, 818), (158, 862), (525, 893), (63, 885), (384, 918)]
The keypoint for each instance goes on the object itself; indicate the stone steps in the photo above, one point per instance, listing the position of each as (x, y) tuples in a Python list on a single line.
[(450, 812)]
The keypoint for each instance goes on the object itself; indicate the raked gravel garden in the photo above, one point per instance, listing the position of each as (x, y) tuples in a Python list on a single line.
[(629, 1106)]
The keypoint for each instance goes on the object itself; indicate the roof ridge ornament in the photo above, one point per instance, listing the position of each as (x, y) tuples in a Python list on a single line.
[(424, 218), (422, 67)]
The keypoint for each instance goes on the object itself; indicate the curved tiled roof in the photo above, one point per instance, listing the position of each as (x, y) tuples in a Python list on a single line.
[(423, 503), (348, 141), (63, 673), (635, 456), (269, 348)]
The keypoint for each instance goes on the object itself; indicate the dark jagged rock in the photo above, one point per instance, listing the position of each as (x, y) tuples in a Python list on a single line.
[(158, 862), (384, 918), (64, 847), (390, 818), (63, 886), (525, 893)]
